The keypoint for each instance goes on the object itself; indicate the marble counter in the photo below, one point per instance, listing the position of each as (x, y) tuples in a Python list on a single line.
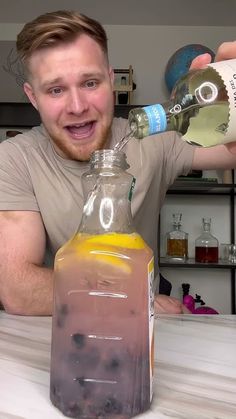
[(195, 368)]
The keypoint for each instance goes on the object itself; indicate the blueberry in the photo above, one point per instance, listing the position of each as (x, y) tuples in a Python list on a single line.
[(112, 405), (62, 312), (85, 388), (80, 380), (55, 394), (79, 340), (73, 410), (113, 364)]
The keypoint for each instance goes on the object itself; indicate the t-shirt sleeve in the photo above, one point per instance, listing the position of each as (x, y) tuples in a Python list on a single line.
[(16, 190), (178, 156)]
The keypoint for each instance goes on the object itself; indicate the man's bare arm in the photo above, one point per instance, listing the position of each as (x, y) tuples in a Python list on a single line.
[(217, 157), (26, 287)]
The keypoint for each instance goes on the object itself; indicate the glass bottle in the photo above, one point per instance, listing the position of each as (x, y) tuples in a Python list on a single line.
[(206, 245), (201, 107), (103, 316), (177, 240)]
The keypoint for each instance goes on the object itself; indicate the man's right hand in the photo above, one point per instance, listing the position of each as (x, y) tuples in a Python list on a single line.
[(164, 304)]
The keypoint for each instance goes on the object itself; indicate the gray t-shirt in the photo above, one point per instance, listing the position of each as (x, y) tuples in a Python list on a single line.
[(33, 177)]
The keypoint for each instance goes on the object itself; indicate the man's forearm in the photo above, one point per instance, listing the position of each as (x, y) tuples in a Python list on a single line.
[(28, 291)]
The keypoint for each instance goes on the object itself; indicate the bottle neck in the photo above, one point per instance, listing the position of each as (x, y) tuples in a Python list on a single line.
[(206, 223), (107, 190), (177, 217), (108, 159), (177, 116), (206, 227), (176, 227)]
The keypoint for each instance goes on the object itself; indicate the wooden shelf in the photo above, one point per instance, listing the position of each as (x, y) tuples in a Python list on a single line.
[(128, 87), (191, 263), (123, 88)]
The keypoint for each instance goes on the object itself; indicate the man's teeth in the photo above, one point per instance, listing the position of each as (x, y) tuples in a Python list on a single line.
[(79, 125)]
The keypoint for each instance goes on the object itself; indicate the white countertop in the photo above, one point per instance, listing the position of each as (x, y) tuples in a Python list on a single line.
[(195, 369)]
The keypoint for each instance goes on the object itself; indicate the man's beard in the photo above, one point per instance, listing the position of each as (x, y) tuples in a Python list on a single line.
[(74, 153)]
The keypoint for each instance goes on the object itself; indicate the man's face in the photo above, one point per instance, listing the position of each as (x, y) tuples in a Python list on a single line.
[(71, 85)]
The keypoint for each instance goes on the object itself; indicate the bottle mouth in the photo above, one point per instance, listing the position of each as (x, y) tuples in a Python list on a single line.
[(206, 93), (109, 157)]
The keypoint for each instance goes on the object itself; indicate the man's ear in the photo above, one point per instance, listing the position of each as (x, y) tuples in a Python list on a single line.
[(112, 75), (30, 94)]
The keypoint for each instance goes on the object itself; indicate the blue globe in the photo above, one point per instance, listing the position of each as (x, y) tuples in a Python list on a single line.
[(180, 61)]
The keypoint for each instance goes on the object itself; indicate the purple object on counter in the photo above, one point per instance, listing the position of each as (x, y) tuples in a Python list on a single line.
[(189, 302)]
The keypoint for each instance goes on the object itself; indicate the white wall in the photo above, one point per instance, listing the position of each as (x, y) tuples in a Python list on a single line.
[(148, 49)]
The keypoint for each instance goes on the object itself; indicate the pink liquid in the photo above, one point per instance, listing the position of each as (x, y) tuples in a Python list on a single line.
[(100, 364)]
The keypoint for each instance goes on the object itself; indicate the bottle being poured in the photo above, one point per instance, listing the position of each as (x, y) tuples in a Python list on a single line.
[(201, 108)]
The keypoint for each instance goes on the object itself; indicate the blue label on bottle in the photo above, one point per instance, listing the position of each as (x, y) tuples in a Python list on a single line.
[(156, 118)]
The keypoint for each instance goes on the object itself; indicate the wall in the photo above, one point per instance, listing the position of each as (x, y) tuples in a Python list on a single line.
[(148, 49)]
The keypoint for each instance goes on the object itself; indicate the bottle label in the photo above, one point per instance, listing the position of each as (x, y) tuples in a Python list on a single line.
[(151, 322), (132, 189), (227, 71), (156, 118)]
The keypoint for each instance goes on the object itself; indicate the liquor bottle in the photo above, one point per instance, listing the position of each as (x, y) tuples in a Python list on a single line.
[(201, 107), (103, 315), (177, 240), (206, 245)]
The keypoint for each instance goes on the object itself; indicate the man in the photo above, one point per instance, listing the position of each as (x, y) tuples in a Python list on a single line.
[(70, 83)]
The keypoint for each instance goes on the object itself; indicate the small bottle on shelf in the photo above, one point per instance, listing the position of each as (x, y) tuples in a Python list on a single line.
[(177, 240), (206, 245)]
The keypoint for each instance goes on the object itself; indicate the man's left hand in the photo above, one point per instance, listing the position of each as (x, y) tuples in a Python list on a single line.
[(226, 51)]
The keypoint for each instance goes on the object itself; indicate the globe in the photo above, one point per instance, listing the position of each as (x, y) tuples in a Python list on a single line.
[(180, 61)]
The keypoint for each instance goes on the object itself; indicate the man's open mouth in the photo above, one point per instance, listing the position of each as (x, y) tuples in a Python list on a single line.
[(82, 130)]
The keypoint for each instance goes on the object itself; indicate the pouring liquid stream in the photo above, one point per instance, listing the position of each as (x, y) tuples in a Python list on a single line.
[(123, 141), (118, 147)]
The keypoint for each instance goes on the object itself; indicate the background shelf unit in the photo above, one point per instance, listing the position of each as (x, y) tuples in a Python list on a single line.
[(206, 188)]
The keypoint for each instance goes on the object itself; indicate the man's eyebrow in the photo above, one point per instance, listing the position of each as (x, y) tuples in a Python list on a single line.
[(48, 83), (92, 74), (59, 80)]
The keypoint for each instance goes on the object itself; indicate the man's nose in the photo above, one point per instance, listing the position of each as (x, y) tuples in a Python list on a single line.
[(77, 102)]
